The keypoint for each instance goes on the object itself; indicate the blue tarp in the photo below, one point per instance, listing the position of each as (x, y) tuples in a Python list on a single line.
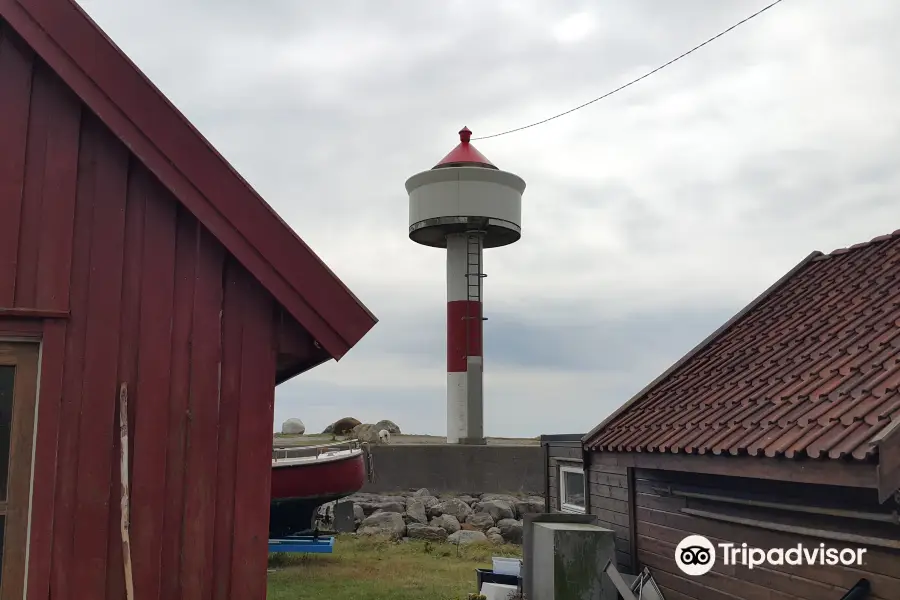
[(306, 543)]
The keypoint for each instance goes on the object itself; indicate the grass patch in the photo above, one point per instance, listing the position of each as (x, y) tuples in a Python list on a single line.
[(367, 568)]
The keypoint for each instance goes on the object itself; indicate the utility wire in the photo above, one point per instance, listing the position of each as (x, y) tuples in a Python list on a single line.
[(630, 83)]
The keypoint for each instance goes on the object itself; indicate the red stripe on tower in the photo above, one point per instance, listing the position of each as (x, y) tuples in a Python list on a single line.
[(463, 315)]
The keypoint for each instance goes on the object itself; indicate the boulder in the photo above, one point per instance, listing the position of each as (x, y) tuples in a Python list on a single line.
[(390, 426), (388, 524), (493, 530), (481, 521), (342, 426), (452, 506), (506, 498), (464, 537), (368, 507), (495, 538), (448, 523), (418, 531), (293, 427), (392, 498), (511, 530), (365, 432), (421, 492), (388, 507), (529, 506), (429, 501), (498, 509), (326, 511), (358, 514), (415, 509)]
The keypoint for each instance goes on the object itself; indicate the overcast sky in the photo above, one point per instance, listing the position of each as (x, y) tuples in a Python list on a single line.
[(649, 217)]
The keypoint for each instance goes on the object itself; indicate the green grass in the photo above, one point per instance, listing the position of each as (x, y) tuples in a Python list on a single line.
[(377, 569)]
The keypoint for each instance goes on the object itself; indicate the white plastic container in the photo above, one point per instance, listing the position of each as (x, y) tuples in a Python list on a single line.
[(507, 566), (498, 591)]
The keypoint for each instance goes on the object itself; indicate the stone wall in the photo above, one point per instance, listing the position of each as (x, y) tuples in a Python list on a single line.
[(444, 468), (462, 519)]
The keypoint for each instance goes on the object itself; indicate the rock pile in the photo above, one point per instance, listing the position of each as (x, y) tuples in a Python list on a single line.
[(459, 519)]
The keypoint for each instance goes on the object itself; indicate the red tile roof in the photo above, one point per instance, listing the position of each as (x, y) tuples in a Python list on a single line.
[(810, 368)]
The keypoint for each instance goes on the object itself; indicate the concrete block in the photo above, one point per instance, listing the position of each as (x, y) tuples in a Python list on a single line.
[(344, 521), (567, 561)]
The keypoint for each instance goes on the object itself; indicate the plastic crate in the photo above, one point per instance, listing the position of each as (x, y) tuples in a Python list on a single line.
[(488, 576)]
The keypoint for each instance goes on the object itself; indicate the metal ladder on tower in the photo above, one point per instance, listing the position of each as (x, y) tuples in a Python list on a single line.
[(474, 254)]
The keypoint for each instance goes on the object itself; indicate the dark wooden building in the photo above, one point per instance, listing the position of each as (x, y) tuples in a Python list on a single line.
[(599, 489), (781, 428), (132, 255)]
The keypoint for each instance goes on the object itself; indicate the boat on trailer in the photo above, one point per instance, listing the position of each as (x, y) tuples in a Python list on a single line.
[(305, 478)]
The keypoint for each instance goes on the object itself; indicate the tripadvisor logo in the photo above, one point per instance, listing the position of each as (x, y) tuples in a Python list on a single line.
[(695, 555)]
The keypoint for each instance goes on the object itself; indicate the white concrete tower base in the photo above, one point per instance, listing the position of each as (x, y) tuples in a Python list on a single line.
[(465, 362)]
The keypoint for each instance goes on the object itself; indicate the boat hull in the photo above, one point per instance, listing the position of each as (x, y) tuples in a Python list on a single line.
[(299, 488)]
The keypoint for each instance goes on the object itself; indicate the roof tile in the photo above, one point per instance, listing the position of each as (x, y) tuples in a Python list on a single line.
[(812, 370)]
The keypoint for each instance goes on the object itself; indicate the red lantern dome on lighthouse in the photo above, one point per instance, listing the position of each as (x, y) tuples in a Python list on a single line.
[(465, 154)]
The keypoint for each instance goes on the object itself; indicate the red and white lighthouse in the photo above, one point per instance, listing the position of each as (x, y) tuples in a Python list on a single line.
[(465, 204)]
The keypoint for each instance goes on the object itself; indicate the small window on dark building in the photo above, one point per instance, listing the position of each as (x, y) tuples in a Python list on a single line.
[(571, 489)]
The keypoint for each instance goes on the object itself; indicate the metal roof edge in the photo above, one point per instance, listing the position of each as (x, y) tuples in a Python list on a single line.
[(561, 437), (586, 440)]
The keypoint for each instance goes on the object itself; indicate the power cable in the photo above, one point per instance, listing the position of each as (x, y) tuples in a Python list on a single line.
[(630, 83)]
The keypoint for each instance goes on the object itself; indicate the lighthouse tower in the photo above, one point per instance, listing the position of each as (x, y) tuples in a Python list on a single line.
[(465, 204)]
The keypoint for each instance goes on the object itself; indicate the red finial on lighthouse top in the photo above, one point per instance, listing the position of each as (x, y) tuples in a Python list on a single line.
[(465, 154)]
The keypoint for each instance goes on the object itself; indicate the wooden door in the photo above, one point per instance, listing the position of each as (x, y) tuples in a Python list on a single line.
[(18, 390)]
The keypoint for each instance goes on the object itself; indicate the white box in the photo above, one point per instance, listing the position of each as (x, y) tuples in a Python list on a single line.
[(507, 566), (498, 591)]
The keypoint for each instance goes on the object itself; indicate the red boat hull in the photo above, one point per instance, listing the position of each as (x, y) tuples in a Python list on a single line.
[(344, 475), (298, 489)]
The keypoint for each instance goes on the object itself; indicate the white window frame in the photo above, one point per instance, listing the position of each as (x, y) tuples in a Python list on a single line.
[(571, 508)]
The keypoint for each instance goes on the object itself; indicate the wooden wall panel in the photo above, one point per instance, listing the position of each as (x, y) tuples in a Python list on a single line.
[(151, 404), (185, 277), (608, 493), (129, 343), (661, 526), (254, 455), (99, 379), (201, 457), (234, 306), (61, 583), (16, 61), (56, 233), (39, 124)]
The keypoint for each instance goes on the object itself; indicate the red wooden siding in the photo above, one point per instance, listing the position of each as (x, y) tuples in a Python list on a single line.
[(154, 302)]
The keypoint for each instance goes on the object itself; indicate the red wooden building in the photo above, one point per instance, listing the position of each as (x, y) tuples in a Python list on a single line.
[(132, 254)]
